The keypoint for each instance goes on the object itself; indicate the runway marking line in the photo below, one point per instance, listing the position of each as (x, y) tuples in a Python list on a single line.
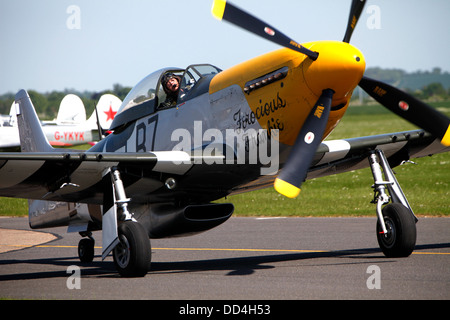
[(230, 249), (277, 250)]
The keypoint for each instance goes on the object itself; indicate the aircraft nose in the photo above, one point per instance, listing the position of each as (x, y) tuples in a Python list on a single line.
[(340, 66)]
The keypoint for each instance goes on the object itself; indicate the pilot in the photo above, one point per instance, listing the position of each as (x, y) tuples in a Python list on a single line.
[(171, 86)]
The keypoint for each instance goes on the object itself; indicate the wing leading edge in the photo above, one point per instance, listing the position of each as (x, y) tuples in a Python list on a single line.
[(77, 176), (337, 156)]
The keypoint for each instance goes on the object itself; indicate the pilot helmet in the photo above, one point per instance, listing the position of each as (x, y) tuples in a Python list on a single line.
[(166, 77)]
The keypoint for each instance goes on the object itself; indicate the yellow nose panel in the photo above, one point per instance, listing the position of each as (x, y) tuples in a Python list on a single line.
[(340, 66)]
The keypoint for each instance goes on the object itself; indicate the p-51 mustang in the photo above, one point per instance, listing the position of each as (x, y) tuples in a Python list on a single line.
[(257, 124)]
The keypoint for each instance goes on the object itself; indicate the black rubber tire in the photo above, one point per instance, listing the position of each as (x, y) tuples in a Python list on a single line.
[(86, 250), (132, 255), (401, 226)]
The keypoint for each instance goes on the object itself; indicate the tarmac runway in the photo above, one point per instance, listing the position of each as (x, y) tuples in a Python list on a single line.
[(245, 258)]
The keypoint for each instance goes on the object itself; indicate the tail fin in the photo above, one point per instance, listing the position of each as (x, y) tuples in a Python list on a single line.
[(107, 107), (32, 138), (71, 110), (12, 115)]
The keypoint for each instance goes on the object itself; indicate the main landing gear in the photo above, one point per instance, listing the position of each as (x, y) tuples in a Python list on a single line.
[(396, 226), (125, 237), (132, 254)]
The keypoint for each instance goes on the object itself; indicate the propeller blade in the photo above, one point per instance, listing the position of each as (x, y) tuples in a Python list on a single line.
[(99, 127), (355, 12), (294, 172), (224, 10), (409, 108)]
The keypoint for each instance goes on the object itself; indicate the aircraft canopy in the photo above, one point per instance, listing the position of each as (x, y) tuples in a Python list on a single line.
[(146, 97)]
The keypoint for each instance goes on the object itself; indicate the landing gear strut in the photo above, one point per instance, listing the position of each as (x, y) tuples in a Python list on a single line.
[(121, 233), (132, 253), (396, 226)]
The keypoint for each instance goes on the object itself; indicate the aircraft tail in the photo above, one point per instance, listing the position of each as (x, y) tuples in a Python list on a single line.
[(32, 137), (71, 110), (107, 107), (12, 115)]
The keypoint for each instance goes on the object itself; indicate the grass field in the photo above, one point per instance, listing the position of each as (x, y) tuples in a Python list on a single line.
[(426, 185)]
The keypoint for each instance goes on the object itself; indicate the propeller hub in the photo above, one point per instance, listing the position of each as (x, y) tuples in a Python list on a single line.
[(340, 66)]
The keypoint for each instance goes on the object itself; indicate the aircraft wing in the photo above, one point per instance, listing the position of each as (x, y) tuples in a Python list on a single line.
[(339, 156), (78, 176)]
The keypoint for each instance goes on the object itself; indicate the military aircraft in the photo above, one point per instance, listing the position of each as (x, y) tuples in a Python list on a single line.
[(257, 124), (9, 134), (70, 127)]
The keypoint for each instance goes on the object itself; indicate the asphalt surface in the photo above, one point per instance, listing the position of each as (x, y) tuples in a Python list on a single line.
[(245, 258)]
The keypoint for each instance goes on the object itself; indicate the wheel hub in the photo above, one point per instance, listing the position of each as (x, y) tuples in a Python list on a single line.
[(389, 237), (122, 252)]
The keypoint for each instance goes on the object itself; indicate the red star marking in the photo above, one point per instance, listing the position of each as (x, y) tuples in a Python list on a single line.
[(110, 114)]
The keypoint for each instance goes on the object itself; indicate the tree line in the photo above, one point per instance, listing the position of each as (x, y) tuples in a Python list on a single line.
[(425, 85), (47, 104)]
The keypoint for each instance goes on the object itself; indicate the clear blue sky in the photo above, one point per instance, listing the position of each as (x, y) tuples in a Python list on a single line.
[(123, 41)]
